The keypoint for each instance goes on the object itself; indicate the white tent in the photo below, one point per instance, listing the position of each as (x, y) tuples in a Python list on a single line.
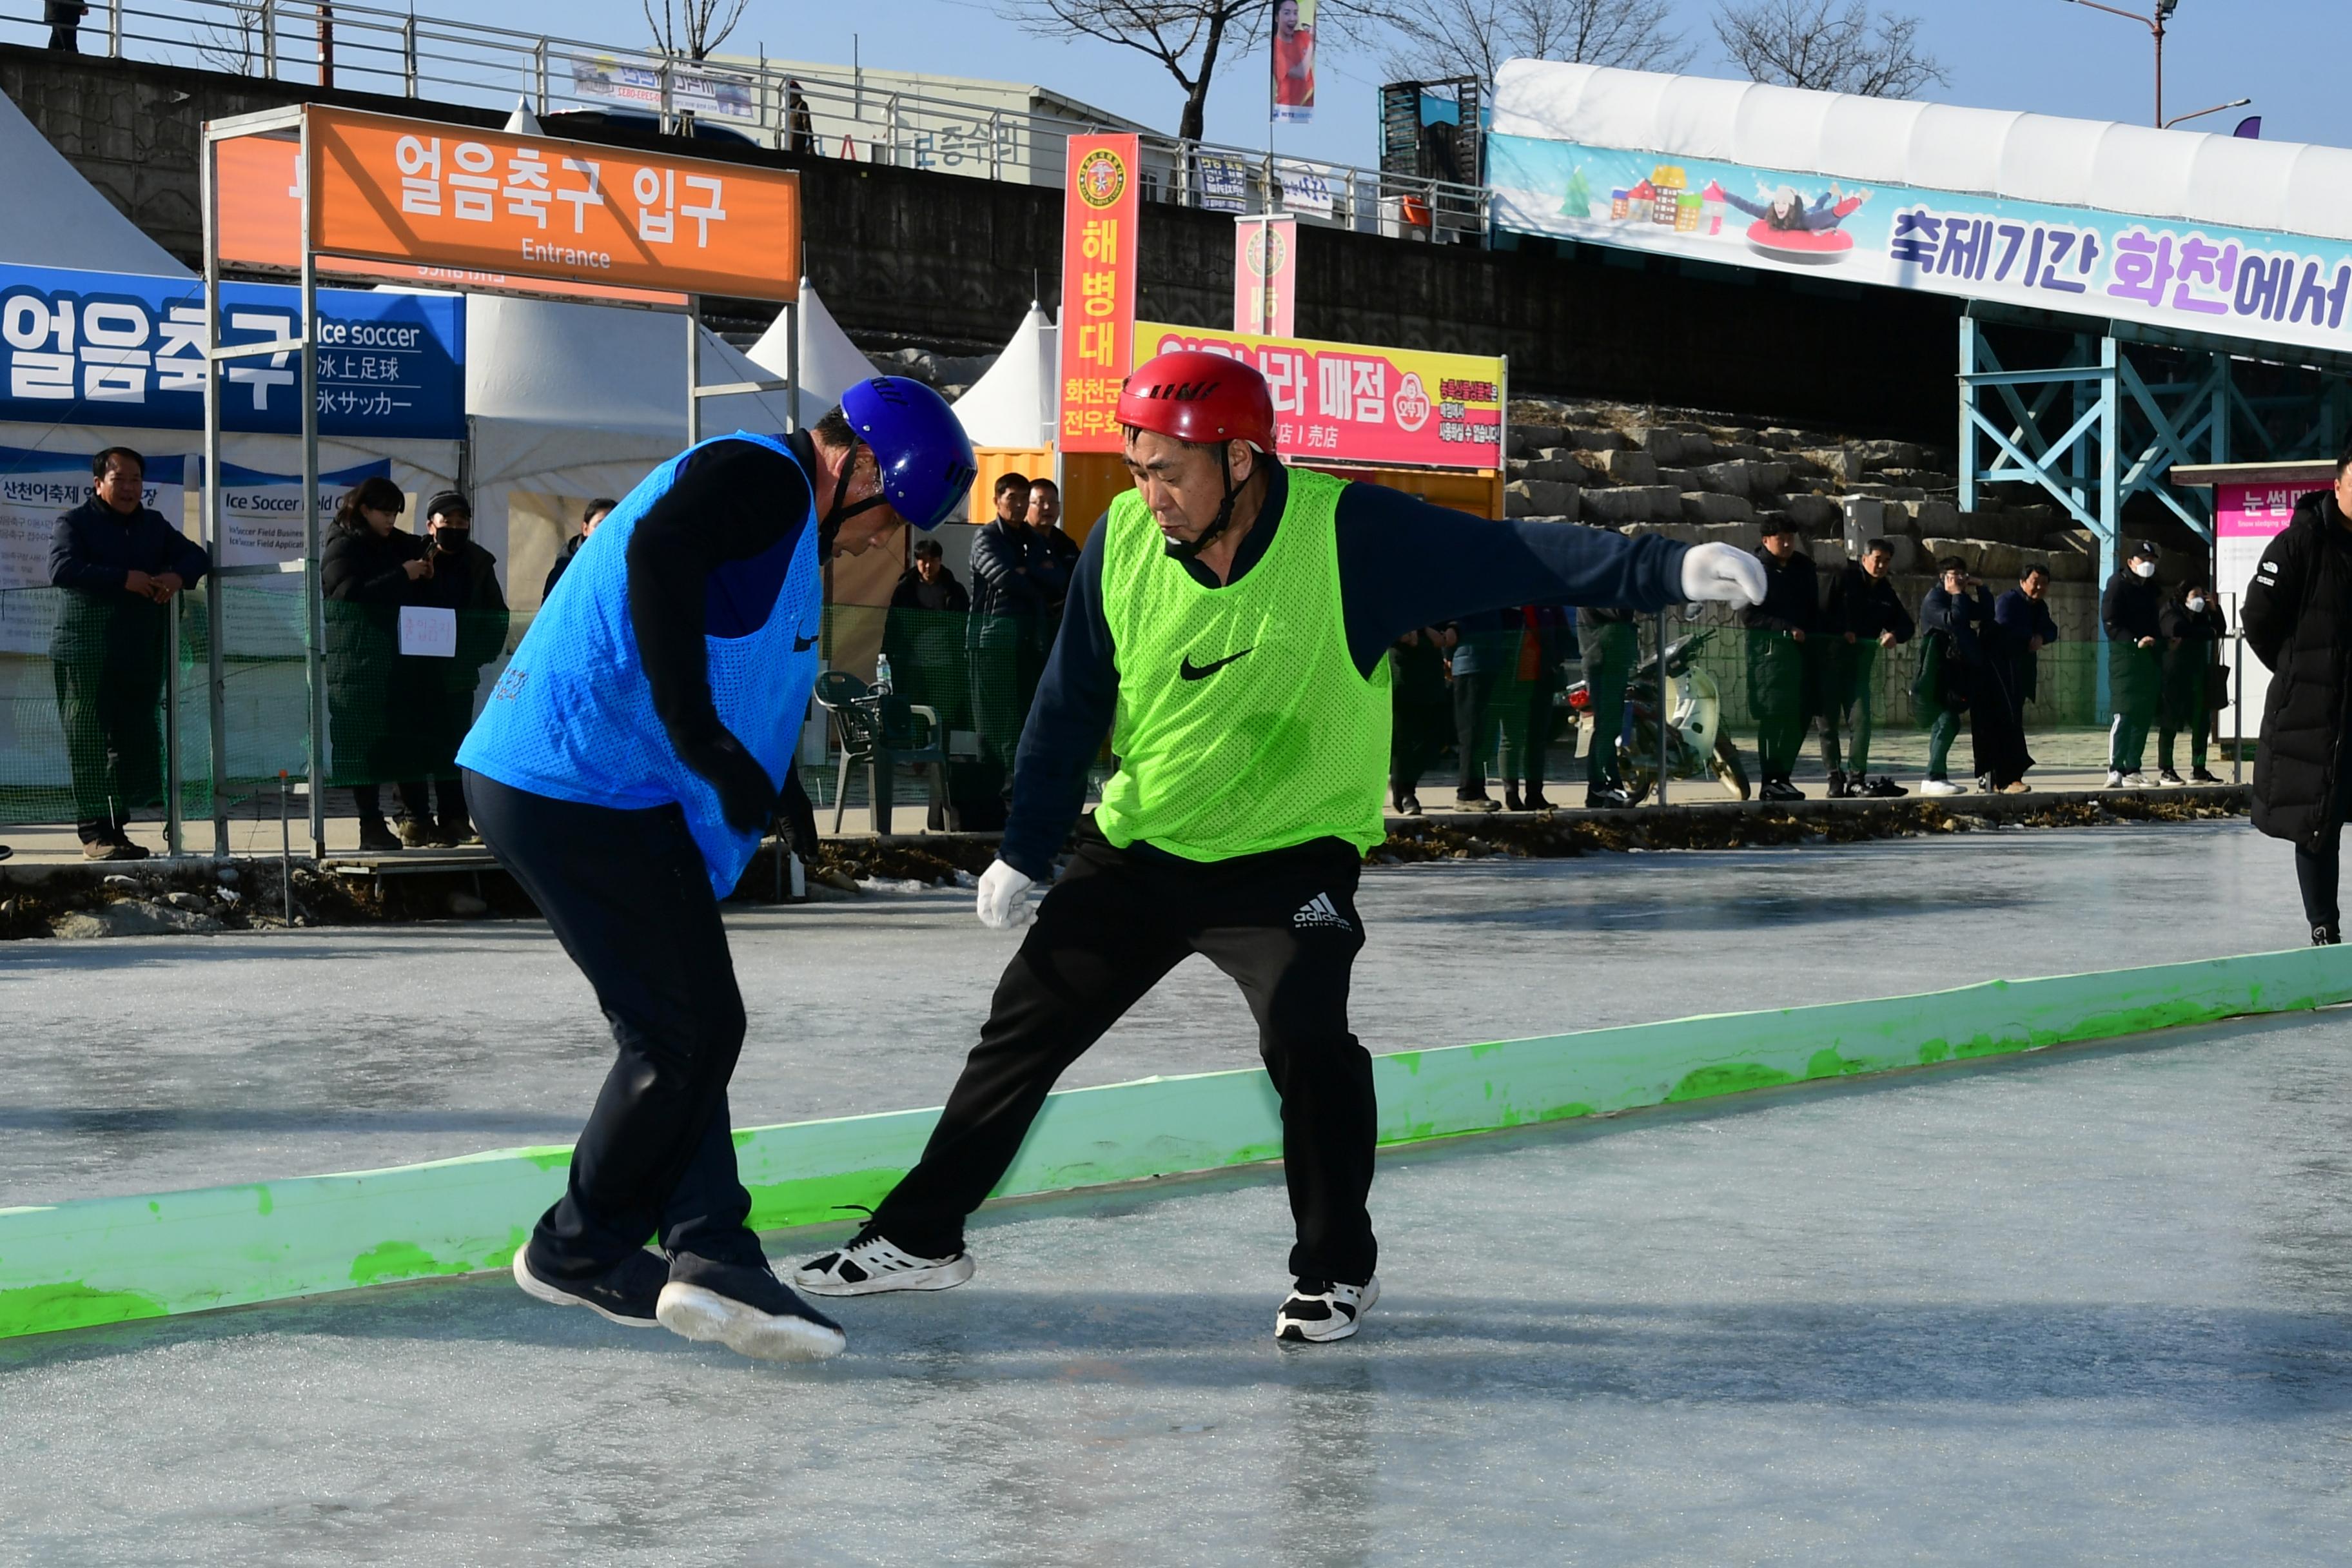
[(60, 219), (572, 402), (1018, 402), (830, 364)]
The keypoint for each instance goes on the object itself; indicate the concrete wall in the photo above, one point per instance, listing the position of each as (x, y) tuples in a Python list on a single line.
[(949, 261)]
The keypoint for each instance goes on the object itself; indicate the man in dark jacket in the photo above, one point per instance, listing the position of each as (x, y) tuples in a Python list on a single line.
[(377, 701), (1777, 630), (464, 578), (2193, 626), (2128, 611), (1957, 616), (2295, 620), (1864, 616), (121, 562), (588, 521), (2024, 615), (1016, 581), (1420, 713)]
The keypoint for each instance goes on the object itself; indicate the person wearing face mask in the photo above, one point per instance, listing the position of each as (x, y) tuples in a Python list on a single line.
[(2130, 611), (376, 700), (458, 575), (2192, 627), (624, 770)]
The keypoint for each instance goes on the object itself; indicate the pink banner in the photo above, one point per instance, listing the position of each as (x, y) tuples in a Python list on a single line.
[(1265, 273)]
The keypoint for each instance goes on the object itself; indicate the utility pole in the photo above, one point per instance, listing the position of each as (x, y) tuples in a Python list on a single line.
[(325, 45), (2155, 24)]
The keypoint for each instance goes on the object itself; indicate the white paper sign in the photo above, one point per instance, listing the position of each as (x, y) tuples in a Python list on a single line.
[(428, 632)]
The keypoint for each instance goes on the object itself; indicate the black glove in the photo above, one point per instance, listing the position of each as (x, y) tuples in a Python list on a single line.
[(746, 794)]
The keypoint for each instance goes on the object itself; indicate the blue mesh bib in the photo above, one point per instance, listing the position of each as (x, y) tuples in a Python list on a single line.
[(572, 717)]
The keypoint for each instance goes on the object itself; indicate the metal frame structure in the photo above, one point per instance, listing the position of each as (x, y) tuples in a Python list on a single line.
[(279, 124), (2095, 429)]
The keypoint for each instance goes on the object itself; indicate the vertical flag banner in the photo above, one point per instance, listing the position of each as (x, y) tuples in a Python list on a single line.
[(1294, 60), (1097, 325), (1266, 276)]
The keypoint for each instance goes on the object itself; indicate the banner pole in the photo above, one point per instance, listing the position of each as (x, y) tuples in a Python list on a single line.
[(314, 612), (693, 369), (208, 527)]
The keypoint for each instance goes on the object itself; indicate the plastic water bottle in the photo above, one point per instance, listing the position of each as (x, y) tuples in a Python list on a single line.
[(882, 673)]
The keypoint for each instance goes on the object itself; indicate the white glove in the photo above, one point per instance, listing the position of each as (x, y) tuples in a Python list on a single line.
[(1724, 573), (1005, 898)]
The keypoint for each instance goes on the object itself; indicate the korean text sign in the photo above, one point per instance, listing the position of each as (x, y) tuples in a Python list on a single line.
[(1265, 275), (1342, 403), (120, 349), (1098, 326), (389, 189), (2193, 277)]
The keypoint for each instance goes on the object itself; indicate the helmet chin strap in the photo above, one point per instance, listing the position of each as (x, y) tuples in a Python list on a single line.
[(1189, 550), (828, 527)]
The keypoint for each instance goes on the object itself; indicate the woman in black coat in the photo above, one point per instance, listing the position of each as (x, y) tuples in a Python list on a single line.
[(2191, 626), (368, 569), (2298, 621)]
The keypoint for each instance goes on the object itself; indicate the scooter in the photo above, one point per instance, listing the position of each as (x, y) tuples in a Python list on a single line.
[(1695, 744)]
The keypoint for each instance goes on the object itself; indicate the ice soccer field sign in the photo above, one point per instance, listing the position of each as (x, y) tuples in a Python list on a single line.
[(407, 192)]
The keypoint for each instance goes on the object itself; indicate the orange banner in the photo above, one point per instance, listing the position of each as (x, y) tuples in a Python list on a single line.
[(1098, 222), (418, 193)]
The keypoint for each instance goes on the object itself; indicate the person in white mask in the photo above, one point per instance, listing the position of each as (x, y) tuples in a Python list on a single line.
[(2129, 611), (2193, 626)]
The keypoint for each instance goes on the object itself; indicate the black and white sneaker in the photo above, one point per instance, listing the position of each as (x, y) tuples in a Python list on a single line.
[(870, 1264), (2326, 936), (625, 1293), (1320, 1310), (2167, 776), (1885, 788), (747, 1308)]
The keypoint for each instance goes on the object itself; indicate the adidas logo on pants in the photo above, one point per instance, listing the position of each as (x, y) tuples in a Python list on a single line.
[(1319, 911)]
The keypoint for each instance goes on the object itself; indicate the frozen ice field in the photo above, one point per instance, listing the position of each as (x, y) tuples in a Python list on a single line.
[(2092, 1306)]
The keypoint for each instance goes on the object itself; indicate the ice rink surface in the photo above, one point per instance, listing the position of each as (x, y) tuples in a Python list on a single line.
[(2093, 1306)]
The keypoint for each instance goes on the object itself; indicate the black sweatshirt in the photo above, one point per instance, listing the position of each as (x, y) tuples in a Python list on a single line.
[(1404, 563), (1866, 606), (2130, 607), (1791, 595)]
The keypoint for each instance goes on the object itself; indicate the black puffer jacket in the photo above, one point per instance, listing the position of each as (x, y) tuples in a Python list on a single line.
[(2298, 621)]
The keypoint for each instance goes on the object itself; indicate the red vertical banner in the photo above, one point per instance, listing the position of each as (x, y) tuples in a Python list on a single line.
[(1266, 276), (1098, 326)]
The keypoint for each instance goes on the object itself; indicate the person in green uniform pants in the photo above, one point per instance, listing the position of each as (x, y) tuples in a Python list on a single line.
[(1228, 627), (1606, 637), (1776, 683), (2192, 627), (2130, 611), (1863, 617)]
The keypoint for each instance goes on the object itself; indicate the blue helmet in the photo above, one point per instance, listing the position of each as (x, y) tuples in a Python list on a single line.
[(919, 444)]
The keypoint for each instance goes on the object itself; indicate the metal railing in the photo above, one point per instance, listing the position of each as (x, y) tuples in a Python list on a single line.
[(372, 50)]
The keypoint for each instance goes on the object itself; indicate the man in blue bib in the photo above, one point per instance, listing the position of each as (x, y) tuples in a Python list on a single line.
[(624, 770)]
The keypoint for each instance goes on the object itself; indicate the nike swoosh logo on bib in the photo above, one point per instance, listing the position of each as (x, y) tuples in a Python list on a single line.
[(1192, 671)]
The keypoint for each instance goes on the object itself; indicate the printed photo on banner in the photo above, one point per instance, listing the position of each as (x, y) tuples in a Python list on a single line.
[(1294, 60)]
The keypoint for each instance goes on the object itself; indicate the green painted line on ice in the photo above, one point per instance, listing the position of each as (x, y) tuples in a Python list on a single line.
[(109, 1260)]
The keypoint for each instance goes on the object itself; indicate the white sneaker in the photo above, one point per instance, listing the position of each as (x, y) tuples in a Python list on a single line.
[(1942, 788), (869, 1265), (1319, 1311), (2133, 781), (2115, 779)]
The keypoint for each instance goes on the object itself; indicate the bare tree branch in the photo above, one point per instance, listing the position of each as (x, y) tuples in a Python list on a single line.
[(1814, 44), (1473, 38), (691, 29), (233, 43)]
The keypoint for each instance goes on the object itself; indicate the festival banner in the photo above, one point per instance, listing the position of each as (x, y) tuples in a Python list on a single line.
[(1222, 182), (262, 520), (415, 191), (127, 349), (1097, 322), (1265, 275), (1306, 187), (35, 487), (2200, 278), (699, 90), (1343, 403), (1294, 61)]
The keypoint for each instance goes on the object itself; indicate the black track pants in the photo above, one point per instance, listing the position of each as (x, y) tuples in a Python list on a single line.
[(629, 898), (1283, 925)]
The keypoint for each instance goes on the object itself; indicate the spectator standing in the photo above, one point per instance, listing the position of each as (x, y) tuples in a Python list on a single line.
[(2298, 621), (2129, 611), (924, 637), (588, 521), (1418, 710), (927, 585), (800, 124), (1546, 634), (64, 17), (1016, 583), (1955, 615), (375, 699), (1609, 644), (1863, 618), (120, 562), (462, 577), (1777, 631), (2026, 628), (1045, 517), (1485, 653), (2192, 627)]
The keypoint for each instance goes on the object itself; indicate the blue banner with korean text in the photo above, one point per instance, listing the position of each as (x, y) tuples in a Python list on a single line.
[(103, 348), (2190, 277)]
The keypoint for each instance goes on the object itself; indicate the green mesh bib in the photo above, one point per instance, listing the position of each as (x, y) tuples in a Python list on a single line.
[(1243, 724)]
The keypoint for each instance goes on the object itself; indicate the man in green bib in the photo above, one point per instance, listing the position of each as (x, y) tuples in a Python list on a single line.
[(1228, 626)]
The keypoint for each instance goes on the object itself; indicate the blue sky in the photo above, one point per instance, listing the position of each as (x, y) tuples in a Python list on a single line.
[(2047, 56)]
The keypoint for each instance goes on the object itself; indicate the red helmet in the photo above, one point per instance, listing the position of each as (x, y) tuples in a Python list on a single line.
[(1199, 397)]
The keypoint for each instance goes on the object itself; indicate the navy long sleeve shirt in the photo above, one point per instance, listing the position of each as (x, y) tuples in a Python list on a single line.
[(94, 547), (1404, 563)]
